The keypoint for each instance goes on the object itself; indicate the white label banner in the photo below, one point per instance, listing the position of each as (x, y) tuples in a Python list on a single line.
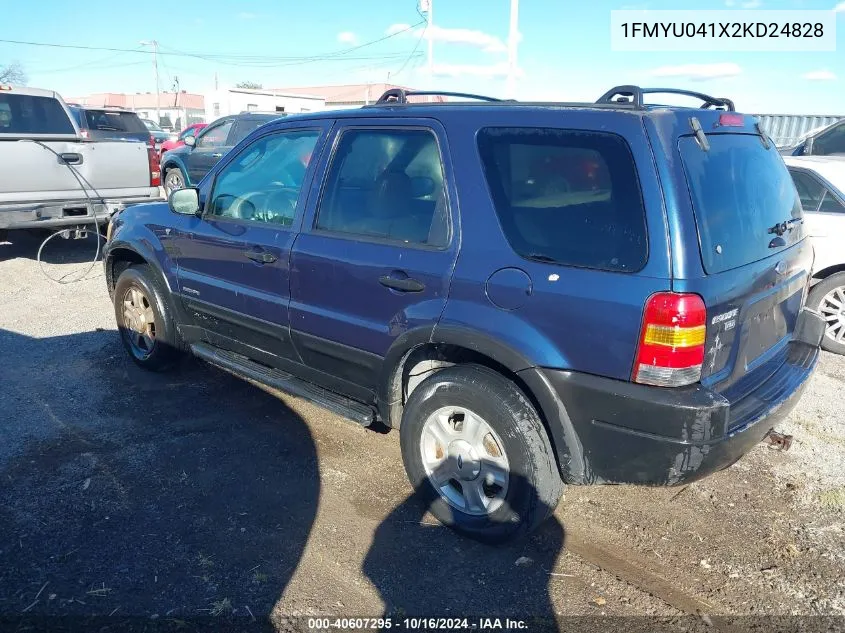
[(723, 31)]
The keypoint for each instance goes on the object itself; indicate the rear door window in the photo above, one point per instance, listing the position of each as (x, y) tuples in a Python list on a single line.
[(243, 127), (109, 121), (740, 190), (27, 114), (566, 197), (810, 190)]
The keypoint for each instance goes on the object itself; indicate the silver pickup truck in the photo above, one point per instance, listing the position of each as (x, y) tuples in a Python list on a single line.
[(51, 178)]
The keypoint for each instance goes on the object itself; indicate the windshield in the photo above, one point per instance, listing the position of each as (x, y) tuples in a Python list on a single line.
[(740, 190), (27, 114), (152, 125)]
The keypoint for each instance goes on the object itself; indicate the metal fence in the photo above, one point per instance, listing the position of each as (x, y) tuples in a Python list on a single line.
[(787, 129)]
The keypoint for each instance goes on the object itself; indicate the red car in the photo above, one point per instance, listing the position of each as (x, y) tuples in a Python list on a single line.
[(191, 130)]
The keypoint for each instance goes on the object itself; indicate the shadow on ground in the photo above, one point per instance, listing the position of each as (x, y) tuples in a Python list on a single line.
[(25, 244), (130, 493)]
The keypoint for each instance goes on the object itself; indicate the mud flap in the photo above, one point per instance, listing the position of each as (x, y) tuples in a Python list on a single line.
[(809, 327)]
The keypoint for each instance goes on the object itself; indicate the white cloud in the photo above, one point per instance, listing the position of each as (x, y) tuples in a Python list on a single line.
[(485, 41), (699, 72), (464, 70), (820, 75), (839, 8), (246, 15), (347, 37)]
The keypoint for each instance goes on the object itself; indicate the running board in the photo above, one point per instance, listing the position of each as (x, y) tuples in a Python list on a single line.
[(283, 381)]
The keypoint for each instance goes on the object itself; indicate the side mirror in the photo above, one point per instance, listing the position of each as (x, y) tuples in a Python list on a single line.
[(807, 150), (185, 201), (190, 141)]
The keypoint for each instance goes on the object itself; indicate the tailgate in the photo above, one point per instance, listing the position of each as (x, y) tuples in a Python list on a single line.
[(755, 256), (33, 173)]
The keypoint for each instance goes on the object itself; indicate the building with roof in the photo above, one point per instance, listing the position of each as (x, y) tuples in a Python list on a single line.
[(348, 96), (177, 110)]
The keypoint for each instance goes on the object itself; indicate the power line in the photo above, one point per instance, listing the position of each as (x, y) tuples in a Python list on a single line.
[(413, 52), (231, 60)]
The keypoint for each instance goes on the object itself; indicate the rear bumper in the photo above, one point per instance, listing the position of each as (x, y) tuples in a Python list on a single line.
[(629, 433), (62, 213)]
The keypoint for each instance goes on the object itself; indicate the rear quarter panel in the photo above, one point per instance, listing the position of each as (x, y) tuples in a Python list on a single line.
[(571, 318)]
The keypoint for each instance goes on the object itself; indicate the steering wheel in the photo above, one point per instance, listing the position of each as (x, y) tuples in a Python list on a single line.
[(280, 204)]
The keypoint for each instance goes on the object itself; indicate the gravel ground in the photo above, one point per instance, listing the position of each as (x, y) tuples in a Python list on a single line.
[(195, 494)]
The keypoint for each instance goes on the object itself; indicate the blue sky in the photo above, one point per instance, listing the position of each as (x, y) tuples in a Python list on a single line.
[(564, 53)]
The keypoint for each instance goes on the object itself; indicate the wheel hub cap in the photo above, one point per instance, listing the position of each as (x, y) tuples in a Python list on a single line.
[(139, 321), (833, 310), (465, 460)]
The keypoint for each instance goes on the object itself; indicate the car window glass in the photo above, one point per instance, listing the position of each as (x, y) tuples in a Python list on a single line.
[(387, 184), (192, 131), (215, 136), (830, 204), (262, 183), (243, 127), (831, 142), (566, 197), (108, 121), (810, 190), (27, 114)]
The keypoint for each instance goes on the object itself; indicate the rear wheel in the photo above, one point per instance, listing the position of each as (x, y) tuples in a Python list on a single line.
[(173, 180), (144, 318), (475, 449), (828, 297)]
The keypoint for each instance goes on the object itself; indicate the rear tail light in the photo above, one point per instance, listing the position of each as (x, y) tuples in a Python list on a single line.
[(671, 349), (731, 120), (155, 167)]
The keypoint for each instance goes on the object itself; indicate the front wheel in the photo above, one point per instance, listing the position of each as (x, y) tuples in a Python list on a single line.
[(144, 318), (828, 297), (173, 180), (475, 449)]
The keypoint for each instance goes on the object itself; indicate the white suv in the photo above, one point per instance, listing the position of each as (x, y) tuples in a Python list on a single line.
[(820, 181)]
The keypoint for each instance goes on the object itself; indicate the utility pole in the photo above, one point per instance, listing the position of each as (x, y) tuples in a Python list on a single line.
[(513, 42), (426, 7), (154, 45)]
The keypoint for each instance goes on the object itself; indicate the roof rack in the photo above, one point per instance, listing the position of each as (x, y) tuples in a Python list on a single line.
[(634, 95), (400, 96)]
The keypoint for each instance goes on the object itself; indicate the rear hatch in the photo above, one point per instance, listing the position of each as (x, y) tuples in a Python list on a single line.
[(752, 247)]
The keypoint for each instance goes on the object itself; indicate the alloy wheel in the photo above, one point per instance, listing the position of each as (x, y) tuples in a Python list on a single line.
[(139, 325), (833, 310)]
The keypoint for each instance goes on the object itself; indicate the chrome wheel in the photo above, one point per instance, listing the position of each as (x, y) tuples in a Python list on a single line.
[(465, 460), (833, 310), (173, 181), (139, 326)]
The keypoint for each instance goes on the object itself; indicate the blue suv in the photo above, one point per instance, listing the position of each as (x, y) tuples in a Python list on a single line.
[(532, 294)]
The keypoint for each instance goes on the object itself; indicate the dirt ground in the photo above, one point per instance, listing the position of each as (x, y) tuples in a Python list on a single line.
[(194, 494)]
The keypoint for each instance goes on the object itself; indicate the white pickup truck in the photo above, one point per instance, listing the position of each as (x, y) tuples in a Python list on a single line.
[(51, 178)]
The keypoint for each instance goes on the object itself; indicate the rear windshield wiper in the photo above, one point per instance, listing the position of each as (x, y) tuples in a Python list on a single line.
[(782, 227), (539, 257)]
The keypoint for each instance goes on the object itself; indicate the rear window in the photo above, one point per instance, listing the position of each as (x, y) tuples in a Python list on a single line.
[(244, 126), (739, 191), (27, 114), (106, 121), (566, 197)]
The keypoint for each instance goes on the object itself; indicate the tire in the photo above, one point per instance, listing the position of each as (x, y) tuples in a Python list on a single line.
[(533, 486), (823, 297), (173, 179), (157, 348)]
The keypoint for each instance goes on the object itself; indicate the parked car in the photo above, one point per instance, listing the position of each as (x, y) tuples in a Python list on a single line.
[(192, 130), (158, 135), (629, 322), (107, 123), (185, 166), (820, 181), (53, 177), (824, 141)]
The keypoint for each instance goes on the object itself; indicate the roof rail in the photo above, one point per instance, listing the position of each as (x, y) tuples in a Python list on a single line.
[(635, 94), (400, 96)]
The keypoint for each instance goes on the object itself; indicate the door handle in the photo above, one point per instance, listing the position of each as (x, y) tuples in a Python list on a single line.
[(70, 158), (262, 257), (403, 285)]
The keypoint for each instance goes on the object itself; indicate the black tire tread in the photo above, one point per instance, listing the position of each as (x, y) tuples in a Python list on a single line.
[(814, 300)]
